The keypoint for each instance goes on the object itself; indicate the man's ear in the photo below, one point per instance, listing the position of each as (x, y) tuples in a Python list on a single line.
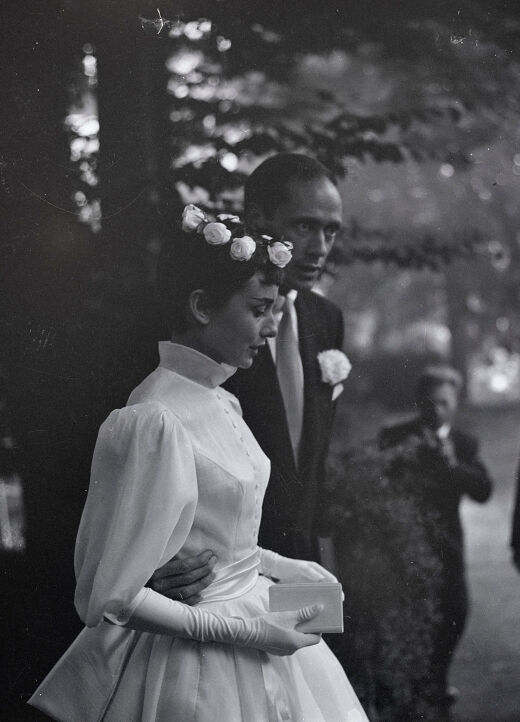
[(200, 306)]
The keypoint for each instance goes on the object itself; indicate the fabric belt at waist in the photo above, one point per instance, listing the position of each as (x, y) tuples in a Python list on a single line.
[(232, 580)]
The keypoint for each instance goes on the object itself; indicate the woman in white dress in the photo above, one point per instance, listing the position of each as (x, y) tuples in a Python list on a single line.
[(174, 472)]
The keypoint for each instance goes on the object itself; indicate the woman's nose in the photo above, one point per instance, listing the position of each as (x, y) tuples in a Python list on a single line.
[(270, 327)]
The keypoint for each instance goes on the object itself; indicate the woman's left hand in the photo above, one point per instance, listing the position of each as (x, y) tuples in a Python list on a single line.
[(300, 570)]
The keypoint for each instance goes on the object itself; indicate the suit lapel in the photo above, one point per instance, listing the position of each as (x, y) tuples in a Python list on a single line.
[(265, 412), (314, 389)]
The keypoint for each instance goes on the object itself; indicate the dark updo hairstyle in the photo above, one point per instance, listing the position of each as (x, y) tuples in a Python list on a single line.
[(188, 262)]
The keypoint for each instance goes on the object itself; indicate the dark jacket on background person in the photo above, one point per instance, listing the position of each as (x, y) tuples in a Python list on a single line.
[(469, 476)]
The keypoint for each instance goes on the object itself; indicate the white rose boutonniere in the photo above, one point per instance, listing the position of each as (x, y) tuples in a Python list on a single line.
[(242, 248), (335, 367), (216, 234)]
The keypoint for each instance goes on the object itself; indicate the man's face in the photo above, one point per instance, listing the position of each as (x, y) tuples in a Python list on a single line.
[(309, 216), (438, 405)]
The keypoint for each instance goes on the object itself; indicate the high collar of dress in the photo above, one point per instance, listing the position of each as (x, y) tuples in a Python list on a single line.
[(193, 365)]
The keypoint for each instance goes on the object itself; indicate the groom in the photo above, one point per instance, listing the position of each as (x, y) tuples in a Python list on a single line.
[(284, 400)]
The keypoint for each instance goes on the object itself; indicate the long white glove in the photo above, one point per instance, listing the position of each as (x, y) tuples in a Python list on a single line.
[(273, 632), (285, 569)]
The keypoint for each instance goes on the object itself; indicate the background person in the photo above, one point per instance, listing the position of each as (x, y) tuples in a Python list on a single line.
[(432, 466)]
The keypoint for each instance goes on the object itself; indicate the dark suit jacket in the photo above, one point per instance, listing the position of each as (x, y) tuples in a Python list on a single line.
[(293, 503), (469, 477)]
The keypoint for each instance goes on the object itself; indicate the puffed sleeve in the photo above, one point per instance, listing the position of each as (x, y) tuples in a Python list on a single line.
[(139, 509)]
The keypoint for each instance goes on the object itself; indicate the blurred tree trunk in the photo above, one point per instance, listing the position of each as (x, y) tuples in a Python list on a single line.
[(486, 289), (456, 294), (133, 166), (40, 279), (74, 305)]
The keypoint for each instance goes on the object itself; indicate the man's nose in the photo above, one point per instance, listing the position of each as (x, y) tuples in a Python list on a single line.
[(317, 245)]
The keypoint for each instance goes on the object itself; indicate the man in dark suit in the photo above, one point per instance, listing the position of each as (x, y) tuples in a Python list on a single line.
[(294, 196), (284, 400), (446, 465)]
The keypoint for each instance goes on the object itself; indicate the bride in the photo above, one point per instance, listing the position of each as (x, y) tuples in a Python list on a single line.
[(174, 472)]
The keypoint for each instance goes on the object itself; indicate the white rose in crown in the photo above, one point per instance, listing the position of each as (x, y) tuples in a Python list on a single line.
[(216, 234), (192, 217), (279, 253), (335, 367), (242, 248)]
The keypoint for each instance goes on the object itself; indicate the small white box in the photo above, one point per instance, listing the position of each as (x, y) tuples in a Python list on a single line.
[(288, 597)]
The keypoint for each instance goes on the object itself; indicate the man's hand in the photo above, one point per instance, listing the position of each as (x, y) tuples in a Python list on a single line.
[(182, 580)]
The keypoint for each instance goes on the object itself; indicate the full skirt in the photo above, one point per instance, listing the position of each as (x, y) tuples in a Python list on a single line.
[(114, 674)]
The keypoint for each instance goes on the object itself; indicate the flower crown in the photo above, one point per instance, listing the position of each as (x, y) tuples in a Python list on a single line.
[(243, 247)]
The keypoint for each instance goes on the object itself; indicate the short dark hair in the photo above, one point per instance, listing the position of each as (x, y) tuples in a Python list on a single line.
[(187, 263), (266, 187), (436, 375)]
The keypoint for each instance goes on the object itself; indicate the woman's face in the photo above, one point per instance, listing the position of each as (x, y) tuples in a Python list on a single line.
[(243, 324)]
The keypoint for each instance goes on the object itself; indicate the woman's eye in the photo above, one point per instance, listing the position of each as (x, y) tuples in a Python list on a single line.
[(303, 227), (260, 310)]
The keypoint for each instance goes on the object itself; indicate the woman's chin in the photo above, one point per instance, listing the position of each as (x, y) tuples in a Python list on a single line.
[(246, 361)]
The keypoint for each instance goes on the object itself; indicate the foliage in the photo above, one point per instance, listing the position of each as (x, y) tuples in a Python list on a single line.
[(361, 244), (236, 80), (392, 574), (344, 82)]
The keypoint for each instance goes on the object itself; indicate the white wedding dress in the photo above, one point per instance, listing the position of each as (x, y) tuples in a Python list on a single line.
[(175, 472)]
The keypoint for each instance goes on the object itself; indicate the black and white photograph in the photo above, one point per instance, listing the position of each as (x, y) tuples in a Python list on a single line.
[(260, 361)]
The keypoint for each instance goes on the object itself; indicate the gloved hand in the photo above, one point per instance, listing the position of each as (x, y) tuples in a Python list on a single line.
[(273, 632), (292, 570)]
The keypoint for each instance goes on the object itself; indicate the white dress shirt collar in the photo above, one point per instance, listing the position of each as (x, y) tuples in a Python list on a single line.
[(443, 431)]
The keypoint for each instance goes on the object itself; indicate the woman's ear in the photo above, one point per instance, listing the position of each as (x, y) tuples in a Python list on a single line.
[(200, 306)]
